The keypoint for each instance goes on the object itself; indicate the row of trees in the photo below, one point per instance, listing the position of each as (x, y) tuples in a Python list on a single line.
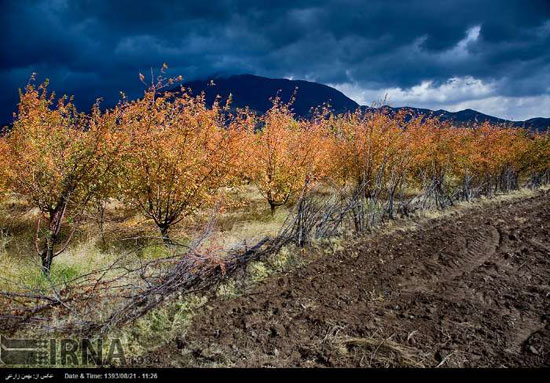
[(168, 156)]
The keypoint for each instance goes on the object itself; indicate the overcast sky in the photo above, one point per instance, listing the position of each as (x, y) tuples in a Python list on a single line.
[(492, 56)]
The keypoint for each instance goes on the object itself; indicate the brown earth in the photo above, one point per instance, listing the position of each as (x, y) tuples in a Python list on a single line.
[(471, 289)]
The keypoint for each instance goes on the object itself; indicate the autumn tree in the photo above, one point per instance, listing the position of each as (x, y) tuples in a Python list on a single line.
[(432, 157), (58, 159), (462, 168), (181, 153), (498, 156), (363, 143), (283, 154), (538, 159), (398, 159)]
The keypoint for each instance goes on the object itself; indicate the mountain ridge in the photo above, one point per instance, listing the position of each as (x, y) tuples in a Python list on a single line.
[(256, 91)]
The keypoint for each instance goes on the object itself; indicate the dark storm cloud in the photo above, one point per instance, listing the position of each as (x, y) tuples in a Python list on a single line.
[(96, 48)]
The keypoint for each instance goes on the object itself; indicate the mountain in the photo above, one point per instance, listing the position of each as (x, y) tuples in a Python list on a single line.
[(462, 117), (467, 116), (255, 92)]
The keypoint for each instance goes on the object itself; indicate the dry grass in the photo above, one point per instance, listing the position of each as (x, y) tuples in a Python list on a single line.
[(245, 220), (381, 352)]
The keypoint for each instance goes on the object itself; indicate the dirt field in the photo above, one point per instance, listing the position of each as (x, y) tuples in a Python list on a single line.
[(467, 290)]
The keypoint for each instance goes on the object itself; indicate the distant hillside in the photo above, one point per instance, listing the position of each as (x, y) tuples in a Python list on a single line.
[(256, 91), (468, 116)]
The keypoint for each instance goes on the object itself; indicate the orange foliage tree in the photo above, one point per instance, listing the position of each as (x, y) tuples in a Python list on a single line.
[(180, 153), (366, 149), (432, 156), (498, 156), (284, 155), (538, 158), (58, 159)]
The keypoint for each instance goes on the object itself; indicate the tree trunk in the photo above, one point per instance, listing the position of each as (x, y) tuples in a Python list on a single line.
[(46, 256), (101, 221), (54, 226), (164, 234), (390, 203), (272, 206)]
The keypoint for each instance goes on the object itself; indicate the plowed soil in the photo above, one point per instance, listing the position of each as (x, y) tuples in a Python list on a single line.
[(467, 290)]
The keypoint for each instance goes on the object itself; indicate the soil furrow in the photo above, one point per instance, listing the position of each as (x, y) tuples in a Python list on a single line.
[(470, 290)]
